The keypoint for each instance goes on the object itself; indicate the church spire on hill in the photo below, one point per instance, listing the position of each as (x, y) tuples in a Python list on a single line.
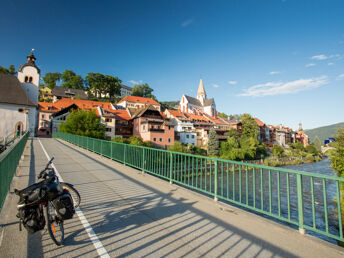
[(201, 95)]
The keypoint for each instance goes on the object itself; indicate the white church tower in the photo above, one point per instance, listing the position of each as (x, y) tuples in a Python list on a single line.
[(201, 95), (29, 76)]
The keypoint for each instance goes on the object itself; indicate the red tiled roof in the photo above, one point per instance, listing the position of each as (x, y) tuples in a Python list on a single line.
[(139, 100), (120, 114), (47, 106), (177, 114), (260, 123)]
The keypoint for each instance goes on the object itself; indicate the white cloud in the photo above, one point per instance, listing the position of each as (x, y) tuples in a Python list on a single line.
[(186, 23), (232, 82), (274, 72), (330, 63), (324, 57), (320, 57), (215, 85), (279, 88), (135, 82), (310, 65), (340, 77)]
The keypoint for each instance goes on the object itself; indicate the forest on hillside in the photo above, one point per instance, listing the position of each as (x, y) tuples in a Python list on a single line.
[(323, 132)]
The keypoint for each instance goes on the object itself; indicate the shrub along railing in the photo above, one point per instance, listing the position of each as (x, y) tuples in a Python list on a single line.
[(9, 160), (306, 200)]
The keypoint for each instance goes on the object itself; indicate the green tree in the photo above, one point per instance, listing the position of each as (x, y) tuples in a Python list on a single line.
[(223, 115), (311, 149), (317, 144), (337, 163), (84, 123), (143, 90), (103, 85), (249, 126), (12, 69), (213, 143), (51, 79), (178, 147), (71, 80), (277, 151)]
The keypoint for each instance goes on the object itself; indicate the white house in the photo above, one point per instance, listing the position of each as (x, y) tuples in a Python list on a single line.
[(18, 113)]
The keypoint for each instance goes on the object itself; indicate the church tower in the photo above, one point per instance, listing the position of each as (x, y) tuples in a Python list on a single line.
[(29, 75), (201, 95)]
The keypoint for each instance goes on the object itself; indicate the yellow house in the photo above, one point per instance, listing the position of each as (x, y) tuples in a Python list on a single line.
[(45, 91)]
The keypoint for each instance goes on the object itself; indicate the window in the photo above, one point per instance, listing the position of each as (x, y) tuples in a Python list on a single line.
[(193, 136), (160, 139), (43, 116), (30, 79), (143, 127), (169, 127), (26, 79), (154, 139), (108, 120), (169, 140), (187, 136), (108, 129)]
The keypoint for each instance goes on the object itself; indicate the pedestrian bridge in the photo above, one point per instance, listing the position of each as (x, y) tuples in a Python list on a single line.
[(125, 212)]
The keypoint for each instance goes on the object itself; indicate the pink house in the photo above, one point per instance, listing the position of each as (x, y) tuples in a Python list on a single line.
[(151, 125)]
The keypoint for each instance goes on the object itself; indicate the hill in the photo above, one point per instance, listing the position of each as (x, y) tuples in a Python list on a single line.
[(170, 104), (323, 132)]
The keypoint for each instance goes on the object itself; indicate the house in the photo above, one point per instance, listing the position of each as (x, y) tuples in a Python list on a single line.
[(183, 127), (60, 92), (17, 110), (19, 99), (45, 92), (151, 125), (189, 104), (125, 90), (118, 122), (138, 102), (45, 112)]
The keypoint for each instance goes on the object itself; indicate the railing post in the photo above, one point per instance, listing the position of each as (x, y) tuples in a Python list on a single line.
[(171, 160), (111, 143), (125, 150), (101, 147), (215, 182), (143, 160), (302, 230)]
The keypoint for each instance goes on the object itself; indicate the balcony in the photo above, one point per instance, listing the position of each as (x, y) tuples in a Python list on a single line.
[(156, 130)]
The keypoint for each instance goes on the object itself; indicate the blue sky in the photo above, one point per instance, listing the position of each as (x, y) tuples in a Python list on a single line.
[(279, 60)]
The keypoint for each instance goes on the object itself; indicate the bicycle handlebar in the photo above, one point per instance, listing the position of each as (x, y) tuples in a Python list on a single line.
[(43, 173)]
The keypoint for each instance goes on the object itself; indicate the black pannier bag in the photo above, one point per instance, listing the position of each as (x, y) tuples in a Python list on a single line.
[(32, 218), (64, 205)]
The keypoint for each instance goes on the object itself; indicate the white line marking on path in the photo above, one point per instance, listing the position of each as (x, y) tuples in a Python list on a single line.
[(95, 240)]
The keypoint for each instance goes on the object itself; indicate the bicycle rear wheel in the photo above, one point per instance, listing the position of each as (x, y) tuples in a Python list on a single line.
[(73, 192), (54, 224)]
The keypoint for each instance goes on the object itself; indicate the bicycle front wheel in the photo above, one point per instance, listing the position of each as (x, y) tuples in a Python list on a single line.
[(54, 223), (73, 192)]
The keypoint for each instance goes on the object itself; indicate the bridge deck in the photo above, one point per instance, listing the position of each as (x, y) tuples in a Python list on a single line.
[(139, 215)]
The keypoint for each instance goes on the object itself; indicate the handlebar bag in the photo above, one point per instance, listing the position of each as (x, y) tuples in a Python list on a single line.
[(64, 205), (32, 194)]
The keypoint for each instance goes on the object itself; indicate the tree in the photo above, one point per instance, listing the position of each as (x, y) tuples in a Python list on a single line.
[(337, 163), (317, 144), (10, 70), (103, 85), (249, 126), (85, 123), (277, 151), (71, 80), (223, 115), (51, 79), (143, 90), (213, 143), (178, 147)]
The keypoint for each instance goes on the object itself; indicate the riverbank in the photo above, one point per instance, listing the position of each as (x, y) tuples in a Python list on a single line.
[(291, 161)]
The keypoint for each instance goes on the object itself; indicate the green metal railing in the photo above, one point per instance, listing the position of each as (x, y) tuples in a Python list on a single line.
[(9, 160), (306, 200)]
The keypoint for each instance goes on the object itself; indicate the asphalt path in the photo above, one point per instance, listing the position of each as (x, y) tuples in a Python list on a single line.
[(132, 214)]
